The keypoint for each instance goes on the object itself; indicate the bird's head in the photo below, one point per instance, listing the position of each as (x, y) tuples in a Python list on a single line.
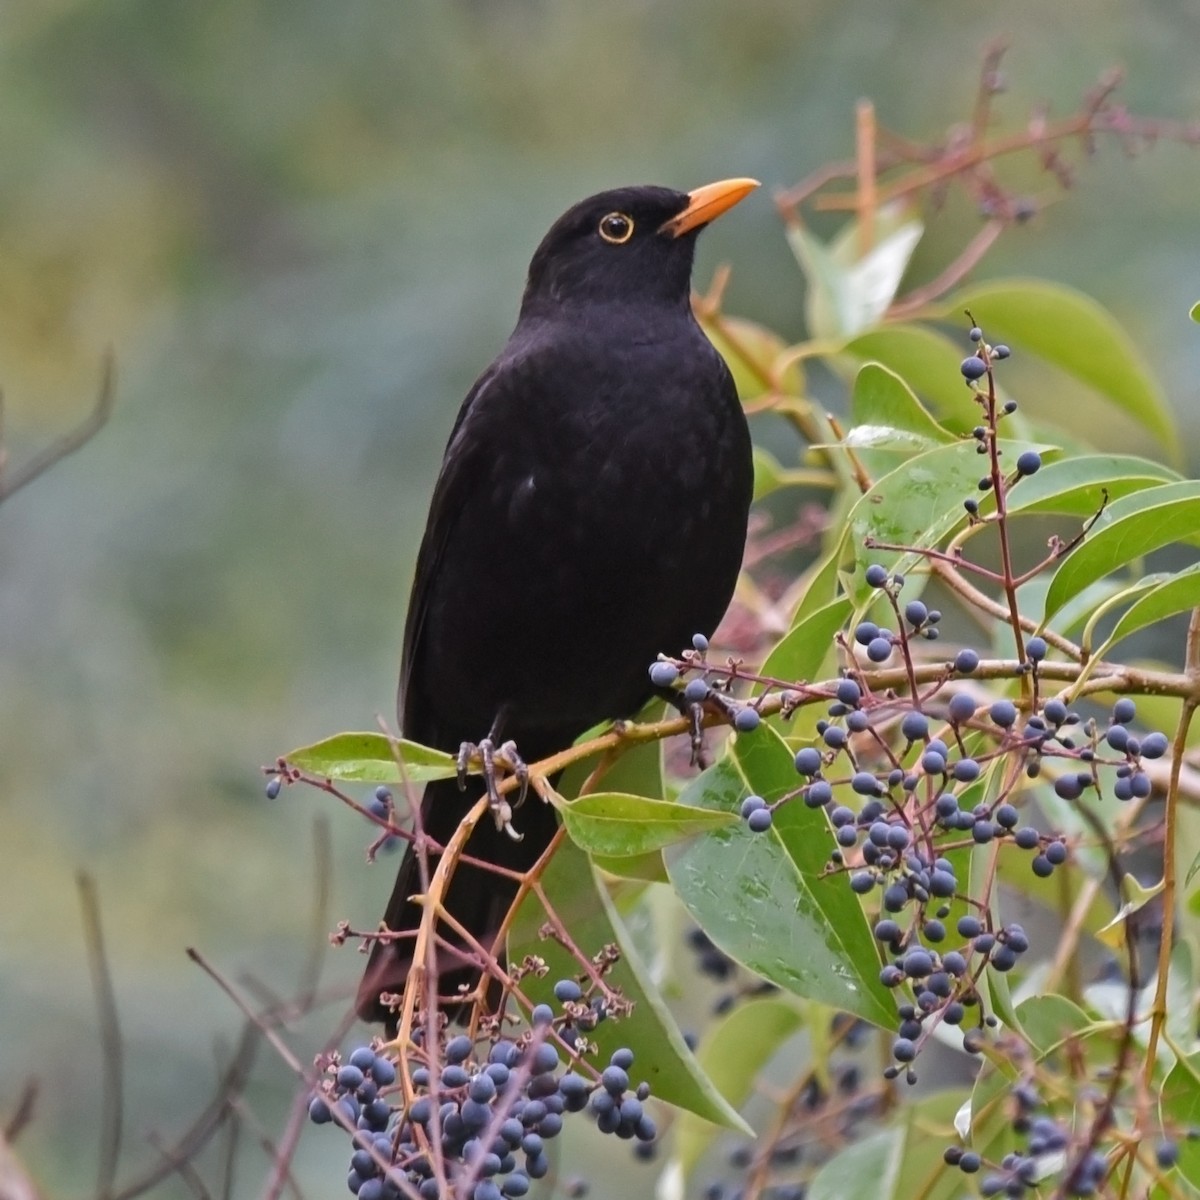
[(627, 246)]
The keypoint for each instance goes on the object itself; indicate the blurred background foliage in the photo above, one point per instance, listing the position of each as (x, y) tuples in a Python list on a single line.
[(303, 228)]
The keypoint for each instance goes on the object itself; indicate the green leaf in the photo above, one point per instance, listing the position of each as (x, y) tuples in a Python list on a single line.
[(799, 654), (1179, 1104), (849, 292), (882, 400), (926, 360), (866, 1170), (1194, 312), (918, 504), (1072, 331), (768, 473), (734, 1050), (1049, 1020), (761, 898), (373, 758), (645, 868), (1180, 593), (1128, 529), (1077, 486), (660, 1053), (622, 826)]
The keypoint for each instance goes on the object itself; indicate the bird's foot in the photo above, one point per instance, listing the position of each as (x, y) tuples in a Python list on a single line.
[(495, 760)]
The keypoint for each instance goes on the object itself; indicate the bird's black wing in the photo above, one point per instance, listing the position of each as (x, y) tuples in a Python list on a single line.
[(462, 459)]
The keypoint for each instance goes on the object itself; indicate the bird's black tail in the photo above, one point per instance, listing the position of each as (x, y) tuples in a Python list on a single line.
[(478, 899)]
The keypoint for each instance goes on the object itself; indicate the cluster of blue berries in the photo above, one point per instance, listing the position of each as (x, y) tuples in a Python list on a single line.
[(492, 1107), (698, 689)]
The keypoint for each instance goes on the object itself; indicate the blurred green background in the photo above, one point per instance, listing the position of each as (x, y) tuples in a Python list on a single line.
[(303, 227)]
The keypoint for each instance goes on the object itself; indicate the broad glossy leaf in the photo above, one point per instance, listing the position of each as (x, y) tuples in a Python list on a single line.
[(881, 399), (1049, 1020), (798, 655), (645, 868), (1179, 1105), (865, 1170), (1071, 330), (624, 826), (734, 1050), (660, 1055), (1076, 486), (1178, 594), (372, 758), (926, 360), (918, 504), (1127, 529), (760, 896), (849, 292)]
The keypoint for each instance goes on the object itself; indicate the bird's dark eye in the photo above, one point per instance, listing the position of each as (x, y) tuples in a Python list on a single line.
[(616, 228)]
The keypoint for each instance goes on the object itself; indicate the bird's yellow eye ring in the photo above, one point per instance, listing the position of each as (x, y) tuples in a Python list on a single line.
[(616, 228)]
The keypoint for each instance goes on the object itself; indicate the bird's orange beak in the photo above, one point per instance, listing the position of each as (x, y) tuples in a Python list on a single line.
[(707, 203)]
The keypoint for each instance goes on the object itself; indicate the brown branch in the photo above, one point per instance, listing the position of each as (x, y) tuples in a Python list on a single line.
[(70, 442)]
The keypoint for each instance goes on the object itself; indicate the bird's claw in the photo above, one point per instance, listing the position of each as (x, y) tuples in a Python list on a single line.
[(492, 760)]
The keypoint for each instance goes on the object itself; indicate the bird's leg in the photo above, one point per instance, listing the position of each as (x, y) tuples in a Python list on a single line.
[(694, 711), (493, 759)]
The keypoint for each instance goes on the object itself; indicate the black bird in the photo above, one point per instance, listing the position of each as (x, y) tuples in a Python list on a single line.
[(590, 512)]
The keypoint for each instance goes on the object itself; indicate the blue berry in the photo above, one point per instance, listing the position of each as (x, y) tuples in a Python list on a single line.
[(973, 368), (903, 1050), (969, 927), (834, 737), (933, 763), (759, 820), (1055, 711), (545, 1059), (1056, 854), (318, 1111), (1029, 463), (349, 1077), (1003, 713), (542, 1014), (818, 794), (458, 1049), (864, 783), (746, 720), (866, 632), (663, 674), (1068, 787), (273, 786), (914, 726), (614, 1080), (961, 708), (696, 691), (808, 761), (1042, 867), (915, 613), (1035, 649), (975, 333), (966, 770), (622, 1057), (1124, 711), (568, 991), (880, 649), (848, 692), (966, 661), (363, 1058), (1117, 736), (699, 643), (1007, 816), (1027, 838), (1000, 350), (1155, 745), (752, 804), (876, 575)]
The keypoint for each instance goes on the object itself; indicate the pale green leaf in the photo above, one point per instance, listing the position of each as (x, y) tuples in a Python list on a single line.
[(865, 1170), (882, 400), (1078, 486), (761, 898), (661, 1056), (1127, 530), (733, 1051), (1179, 593), (373, 758), (797, 657), (1070, 330), (623, 826)]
